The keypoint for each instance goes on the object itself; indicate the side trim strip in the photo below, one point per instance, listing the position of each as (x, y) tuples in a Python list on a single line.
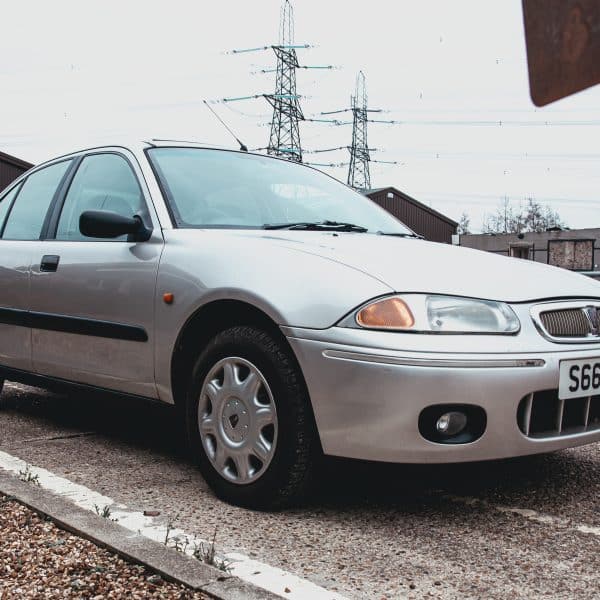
[(13, 316), (78, 325), (433, 362), (60, 385)]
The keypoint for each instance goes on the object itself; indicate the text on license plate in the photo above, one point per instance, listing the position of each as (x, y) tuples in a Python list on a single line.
[(579, 378)]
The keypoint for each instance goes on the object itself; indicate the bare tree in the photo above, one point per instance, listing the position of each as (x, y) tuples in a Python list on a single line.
[(533, 217), (552, 218), (504, 220), (464, 224)]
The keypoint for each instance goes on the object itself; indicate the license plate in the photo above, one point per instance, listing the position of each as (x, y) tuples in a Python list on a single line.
[(579, 378)]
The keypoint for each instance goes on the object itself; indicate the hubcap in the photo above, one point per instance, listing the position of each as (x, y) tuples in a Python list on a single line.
[(237, 420)]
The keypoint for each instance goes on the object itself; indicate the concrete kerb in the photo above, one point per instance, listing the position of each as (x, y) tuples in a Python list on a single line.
[(167, 562)]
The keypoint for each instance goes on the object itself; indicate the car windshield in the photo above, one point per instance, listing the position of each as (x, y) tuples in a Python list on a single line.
[(222, 189)]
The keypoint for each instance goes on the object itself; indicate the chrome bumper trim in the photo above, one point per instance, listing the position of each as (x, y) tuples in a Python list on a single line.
[(432, 362)]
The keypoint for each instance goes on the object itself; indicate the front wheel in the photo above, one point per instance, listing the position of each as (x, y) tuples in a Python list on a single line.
[(249, 421)]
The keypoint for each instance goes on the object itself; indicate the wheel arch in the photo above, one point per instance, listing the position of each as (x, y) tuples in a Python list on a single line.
[(206, 322)]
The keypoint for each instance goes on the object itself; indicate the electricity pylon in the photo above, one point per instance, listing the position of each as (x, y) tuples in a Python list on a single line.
[(287, 114), (359, 176), (284, 139)]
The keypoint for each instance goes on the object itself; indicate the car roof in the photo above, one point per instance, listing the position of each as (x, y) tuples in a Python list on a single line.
[(160, 142), (136, 146)]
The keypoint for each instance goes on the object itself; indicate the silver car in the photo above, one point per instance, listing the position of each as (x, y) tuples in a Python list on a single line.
[(286, 316)]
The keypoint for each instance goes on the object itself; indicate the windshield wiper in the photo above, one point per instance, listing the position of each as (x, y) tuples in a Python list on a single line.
[(317, 226), (403, 235)]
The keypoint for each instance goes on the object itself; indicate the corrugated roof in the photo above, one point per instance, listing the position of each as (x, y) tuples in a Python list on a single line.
[(408, 198), (13, 160)]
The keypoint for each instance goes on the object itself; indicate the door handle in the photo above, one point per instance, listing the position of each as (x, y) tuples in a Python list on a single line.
[(49, 263)]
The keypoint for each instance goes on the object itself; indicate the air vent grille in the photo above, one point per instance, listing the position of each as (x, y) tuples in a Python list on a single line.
[(566, 323), (543, 415)]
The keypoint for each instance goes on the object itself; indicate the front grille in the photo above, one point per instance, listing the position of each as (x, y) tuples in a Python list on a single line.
[(570, 322), (542, 415)]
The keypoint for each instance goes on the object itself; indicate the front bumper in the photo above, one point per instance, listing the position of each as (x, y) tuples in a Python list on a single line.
[(367, 400)]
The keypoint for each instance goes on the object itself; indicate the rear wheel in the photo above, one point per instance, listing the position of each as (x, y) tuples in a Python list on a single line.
[(249, 420)]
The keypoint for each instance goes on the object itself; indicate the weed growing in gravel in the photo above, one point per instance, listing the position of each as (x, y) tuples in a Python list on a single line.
[(177, 542), (28, 477), (207, 554), (170, 527), (104, 512)]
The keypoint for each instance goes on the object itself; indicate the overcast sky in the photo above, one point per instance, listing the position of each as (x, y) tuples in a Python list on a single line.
[(73, 73)]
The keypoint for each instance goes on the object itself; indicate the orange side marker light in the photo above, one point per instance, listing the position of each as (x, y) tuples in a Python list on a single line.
[(168, 298)]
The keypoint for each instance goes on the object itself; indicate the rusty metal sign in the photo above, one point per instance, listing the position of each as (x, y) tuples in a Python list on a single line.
[(563, 47)]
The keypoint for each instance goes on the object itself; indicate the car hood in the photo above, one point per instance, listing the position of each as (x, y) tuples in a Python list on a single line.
[(411, 265)]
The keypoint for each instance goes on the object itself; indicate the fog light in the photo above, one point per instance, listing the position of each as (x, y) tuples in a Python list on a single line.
[(451, 423)]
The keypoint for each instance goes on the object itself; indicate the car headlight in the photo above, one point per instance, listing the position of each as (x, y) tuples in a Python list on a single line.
[(427, 313)]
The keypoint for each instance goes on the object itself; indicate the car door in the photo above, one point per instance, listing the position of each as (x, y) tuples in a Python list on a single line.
[(24, 210), (92, 300)]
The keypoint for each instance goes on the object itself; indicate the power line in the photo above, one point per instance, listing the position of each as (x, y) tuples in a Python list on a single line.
[(474, 123), (332, 165)]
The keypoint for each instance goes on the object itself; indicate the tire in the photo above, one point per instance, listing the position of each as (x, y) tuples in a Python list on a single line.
[(233, 421)]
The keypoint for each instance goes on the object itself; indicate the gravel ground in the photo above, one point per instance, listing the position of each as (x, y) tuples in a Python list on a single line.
[(39, 560), (370, 531)]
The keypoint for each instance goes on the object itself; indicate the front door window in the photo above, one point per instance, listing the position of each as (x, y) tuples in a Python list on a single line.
[(102, 182)]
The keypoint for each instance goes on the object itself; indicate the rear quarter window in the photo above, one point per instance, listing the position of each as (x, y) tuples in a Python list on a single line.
[(26, 218), (5, 204)]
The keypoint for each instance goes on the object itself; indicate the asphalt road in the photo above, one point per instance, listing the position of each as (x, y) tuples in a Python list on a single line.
[(525, 528)]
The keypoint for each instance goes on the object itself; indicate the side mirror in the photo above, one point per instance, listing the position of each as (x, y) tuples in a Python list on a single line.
[(108, 224)]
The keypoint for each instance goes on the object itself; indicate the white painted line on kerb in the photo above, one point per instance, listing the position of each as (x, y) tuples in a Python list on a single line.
[(528, 513), (260, 574)]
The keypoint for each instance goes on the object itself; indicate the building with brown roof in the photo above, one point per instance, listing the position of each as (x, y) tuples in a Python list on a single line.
[(422, 219), (11, 168)]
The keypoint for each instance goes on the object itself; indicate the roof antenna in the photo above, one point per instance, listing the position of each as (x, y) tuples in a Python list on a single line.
[(243, 147)]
